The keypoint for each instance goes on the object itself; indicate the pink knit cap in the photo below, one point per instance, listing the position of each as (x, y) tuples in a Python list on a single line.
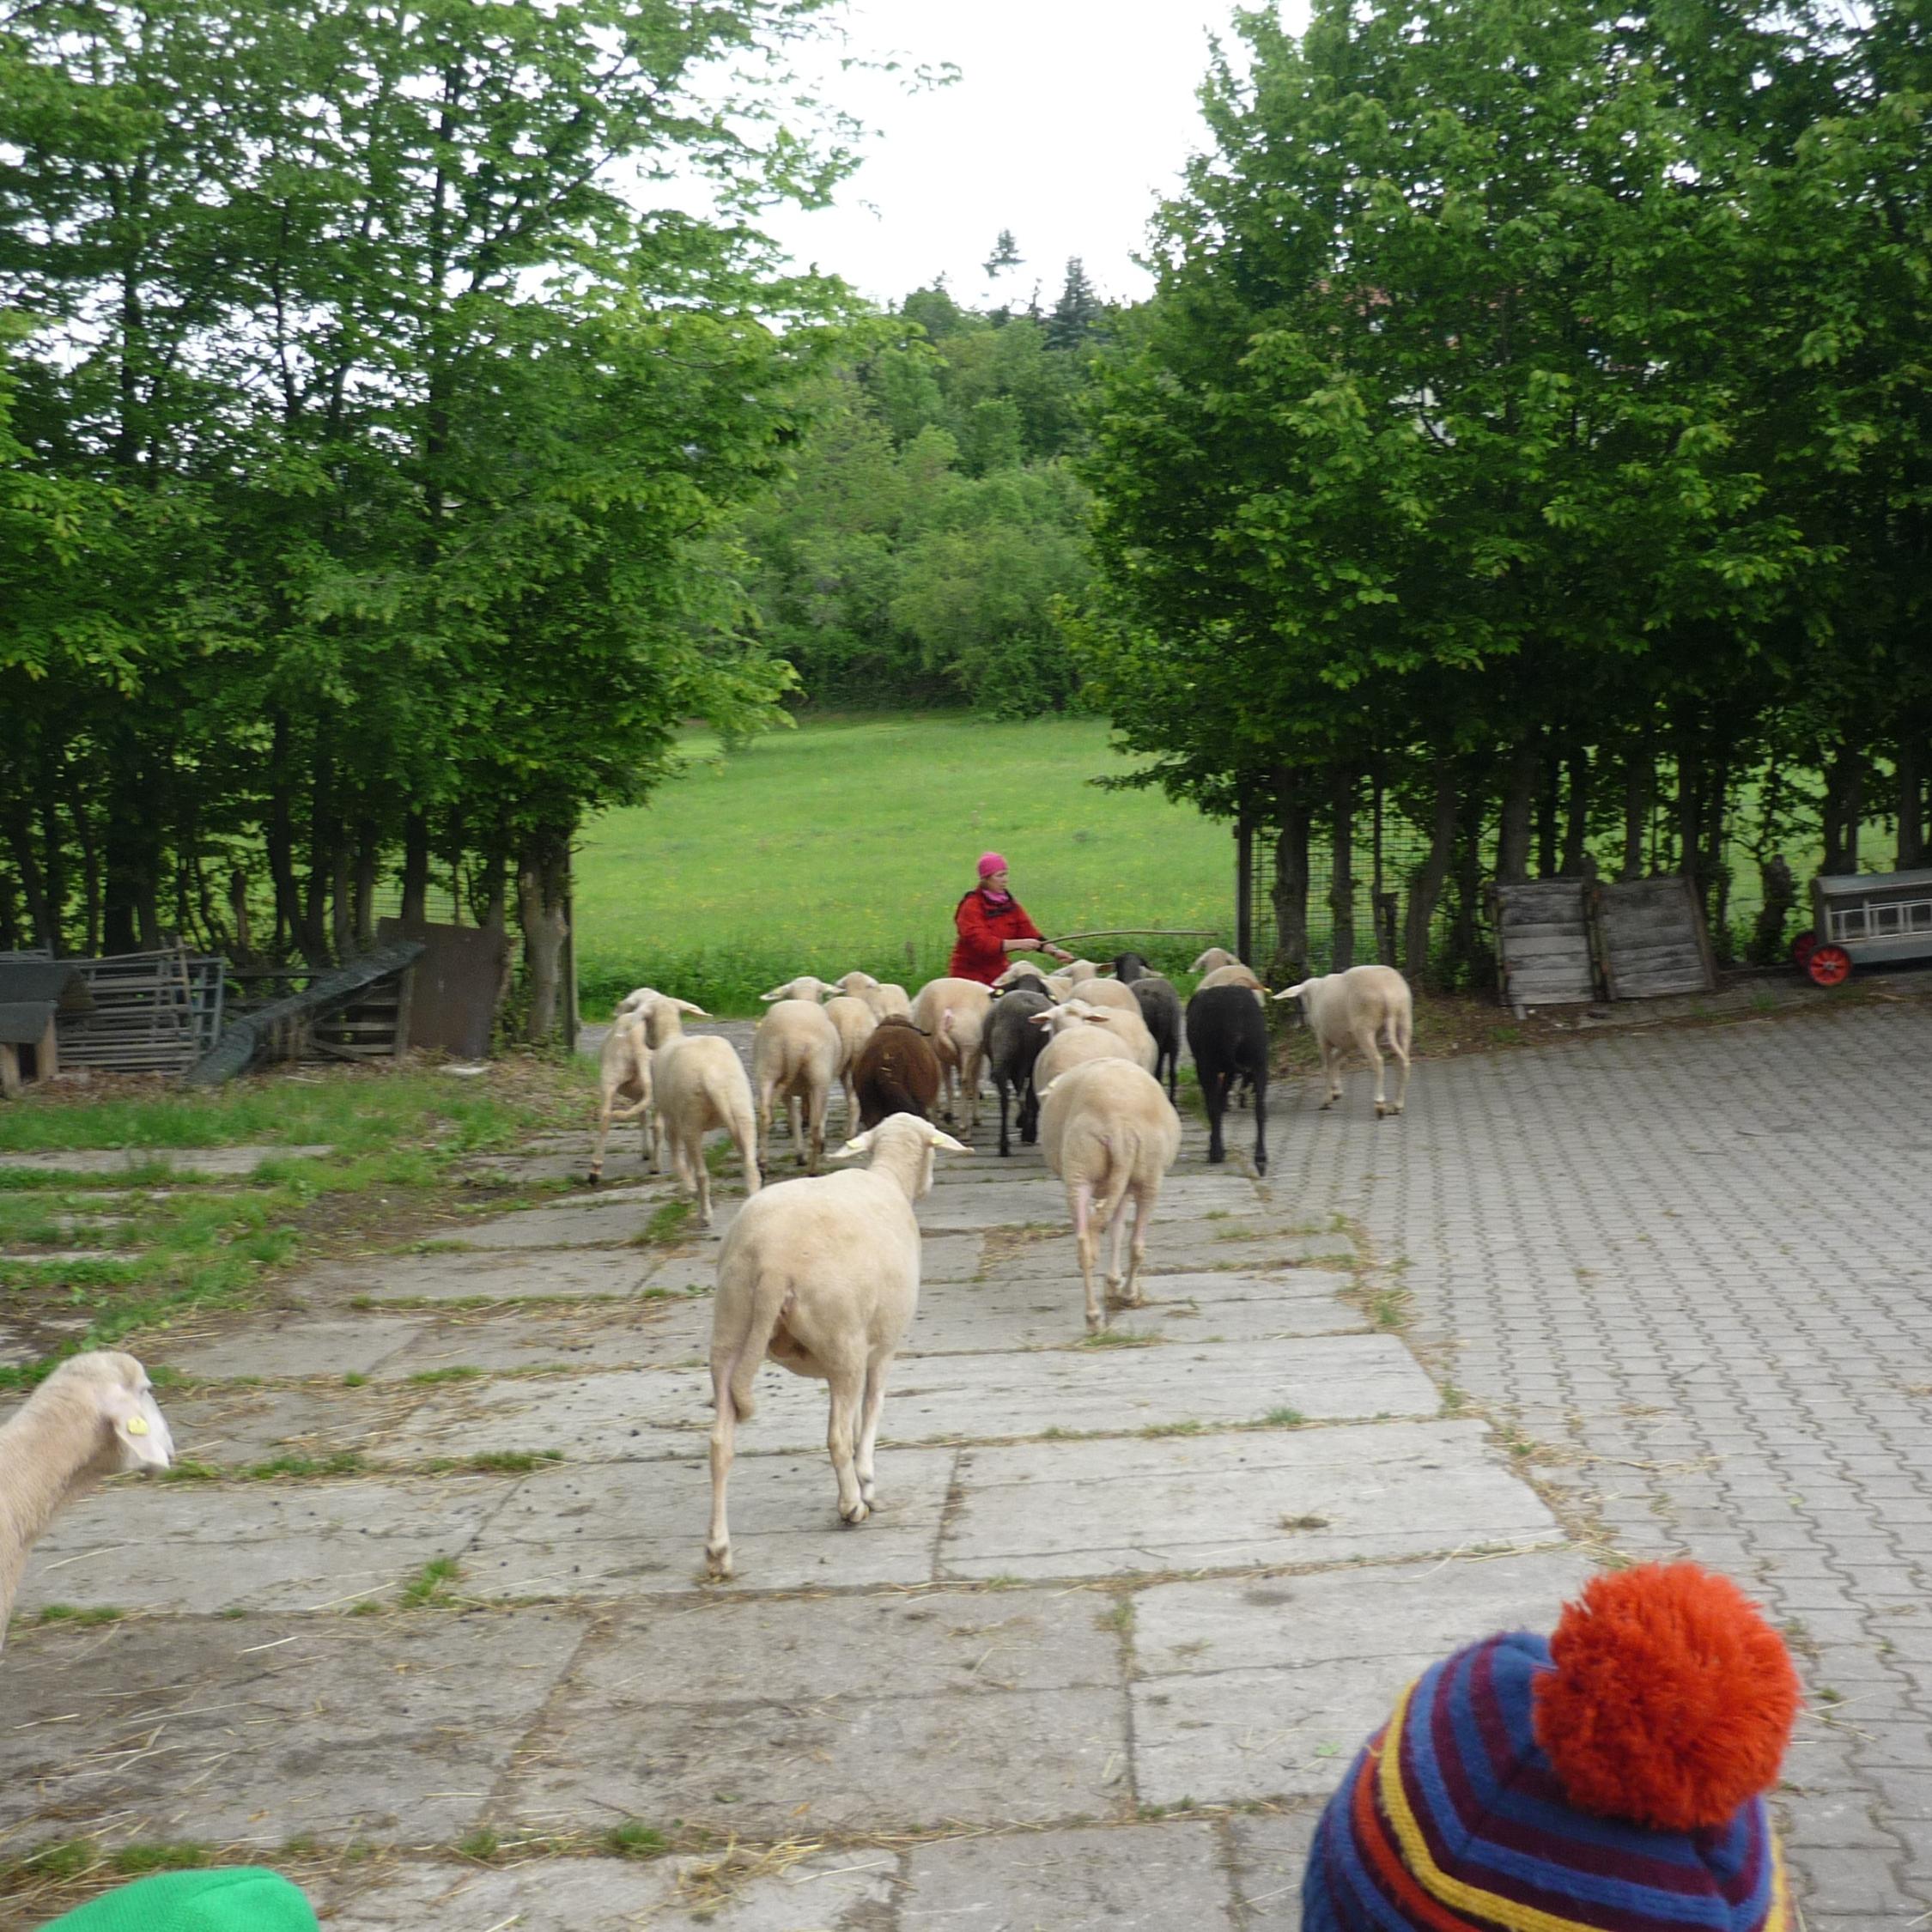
[(990, 863)]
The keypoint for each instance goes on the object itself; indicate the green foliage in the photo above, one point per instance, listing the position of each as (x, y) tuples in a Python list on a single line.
[(357, 471), (933, 529), (1486, 427)]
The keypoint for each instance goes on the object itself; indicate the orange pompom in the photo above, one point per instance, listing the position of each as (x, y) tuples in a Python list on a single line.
[(1672, 1700)]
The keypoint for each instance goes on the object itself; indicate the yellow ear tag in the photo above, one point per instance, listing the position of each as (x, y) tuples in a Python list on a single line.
[(137, 1426)]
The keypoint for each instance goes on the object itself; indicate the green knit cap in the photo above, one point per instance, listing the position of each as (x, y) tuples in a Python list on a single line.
[(242, 1898)]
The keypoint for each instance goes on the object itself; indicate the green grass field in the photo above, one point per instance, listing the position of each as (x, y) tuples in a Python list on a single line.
[(847, 843)]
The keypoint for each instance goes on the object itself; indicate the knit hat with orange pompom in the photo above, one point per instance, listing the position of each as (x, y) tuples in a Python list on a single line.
[(1609, 1780)]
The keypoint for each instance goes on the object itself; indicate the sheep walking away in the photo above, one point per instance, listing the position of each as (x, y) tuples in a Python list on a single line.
[(823, 1276)]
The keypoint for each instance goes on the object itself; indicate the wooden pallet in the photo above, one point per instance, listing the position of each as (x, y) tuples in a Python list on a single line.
[(1543, 943), (1651, 938)]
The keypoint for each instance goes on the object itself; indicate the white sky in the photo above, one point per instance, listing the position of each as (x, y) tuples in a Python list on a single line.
[(1070, 119)]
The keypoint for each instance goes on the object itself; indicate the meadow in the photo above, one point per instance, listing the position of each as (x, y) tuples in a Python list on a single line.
[(847, 842)]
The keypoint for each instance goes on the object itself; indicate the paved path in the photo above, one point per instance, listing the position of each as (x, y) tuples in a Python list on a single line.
[(1696, 1268), (1107, 1585)]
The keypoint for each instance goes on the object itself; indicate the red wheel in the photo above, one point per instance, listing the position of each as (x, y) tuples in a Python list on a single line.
[(1829, 965), (1802, 947)]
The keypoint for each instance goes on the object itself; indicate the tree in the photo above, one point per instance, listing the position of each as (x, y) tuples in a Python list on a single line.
[(330, 298), (1077, 315), (1005, 255)]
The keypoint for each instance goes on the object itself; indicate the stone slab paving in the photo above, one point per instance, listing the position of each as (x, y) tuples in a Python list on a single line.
[(220, 1161), (1697, 1266), (948, 1398), (1099, 1579)]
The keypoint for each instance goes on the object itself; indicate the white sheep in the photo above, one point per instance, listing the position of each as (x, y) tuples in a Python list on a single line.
[(697, 1085), (1108, 992), (855, 1023), (804, 988), (1235, 973), (1083, 1032), (1352, 1009), (623, 1080), (823, 1276), (1109, 1132), (886, 1001), (951, 1013), (1079, 969), (94, 1416), (1213, 959), (795, 1059)]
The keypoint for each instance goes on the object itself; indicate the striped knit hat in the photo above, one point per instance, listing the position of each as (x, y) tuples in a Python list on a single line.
[(1609, 1780)]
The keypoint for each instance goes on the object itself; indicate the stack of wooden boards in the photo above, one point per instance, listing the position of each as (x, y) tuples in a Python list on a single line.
[(1565, 941)]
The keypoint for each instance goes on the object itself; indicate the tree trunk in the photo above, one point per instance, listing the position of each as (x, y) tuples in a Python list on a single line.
[(1712, 870), (1426, 882), (90, 863), (1577, 823), (280, 840), (1549, 797), (1519, 798), (56, 876), (1466, 955), (1640, 784), (415, 869), (368, 860), (314, 931), (342, 896), (1780, 895), (1341, 874), (33, 880), (543, 888), (1290, 894), (1844, 811), (1689, 815), (238, 909), (1911, 801)]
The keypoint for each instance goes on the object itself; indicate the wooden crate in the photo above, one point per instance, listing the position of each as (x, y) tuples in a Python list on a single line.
[(1543, 943), (1650, 938)]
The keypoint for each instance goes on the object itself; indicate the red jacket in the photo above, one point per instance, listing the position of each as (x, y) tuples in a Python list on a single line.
[(980, 954)]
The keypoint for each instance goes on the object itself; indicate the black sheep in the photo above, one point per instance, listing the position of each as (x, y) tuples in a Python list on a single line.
[(1013, 1044), (1129, 967), (1160, 1007), (1228, 1036)]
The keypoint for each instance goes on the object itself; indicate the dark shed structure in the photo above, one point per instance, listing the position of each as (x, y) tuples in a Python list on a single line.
[(32, 991)]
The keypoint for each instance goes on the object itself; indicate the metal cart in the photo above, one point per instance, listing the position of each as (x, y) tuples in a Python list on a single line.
[(1864, 919)]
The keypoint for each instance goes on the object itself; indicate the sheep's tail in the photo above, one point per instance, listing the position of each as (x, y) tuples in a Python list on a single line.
[(739, 1372), (1122, 1140)]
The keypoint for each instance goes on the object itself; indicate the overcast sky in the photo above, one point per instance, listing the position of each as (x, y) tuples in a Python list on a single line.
[(1070, 118)]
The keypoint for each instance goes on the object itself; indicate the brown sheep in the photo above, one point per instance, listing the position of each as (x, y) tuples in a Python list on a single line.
[(895, 1071)]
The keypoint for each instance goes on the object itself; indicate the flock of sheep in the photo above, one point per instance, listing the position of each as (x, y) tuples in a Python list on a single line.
[(821, 1273)]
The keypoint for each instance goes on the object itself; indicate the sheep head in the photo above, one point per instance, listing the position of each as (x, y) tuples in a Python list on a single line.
[(116, 1386), (904, 1133), (804, 988)]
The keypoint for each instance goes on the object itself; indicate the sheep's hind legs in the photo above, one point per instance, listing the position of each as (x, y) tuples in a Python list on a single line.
[(718, 1543), (1119, 1289), (847, 1387), (868, 1431), (1087, 1236)]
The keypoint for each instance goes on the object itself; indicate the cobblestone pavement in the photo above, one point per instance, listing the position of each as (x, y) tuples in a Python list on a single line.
[(1696, 1266), (1125, 1610)]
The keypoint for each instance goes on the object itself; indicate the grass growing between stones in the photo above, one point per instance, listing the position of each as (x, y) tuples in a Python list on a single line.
[(430, 1585), (177, 1242)]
